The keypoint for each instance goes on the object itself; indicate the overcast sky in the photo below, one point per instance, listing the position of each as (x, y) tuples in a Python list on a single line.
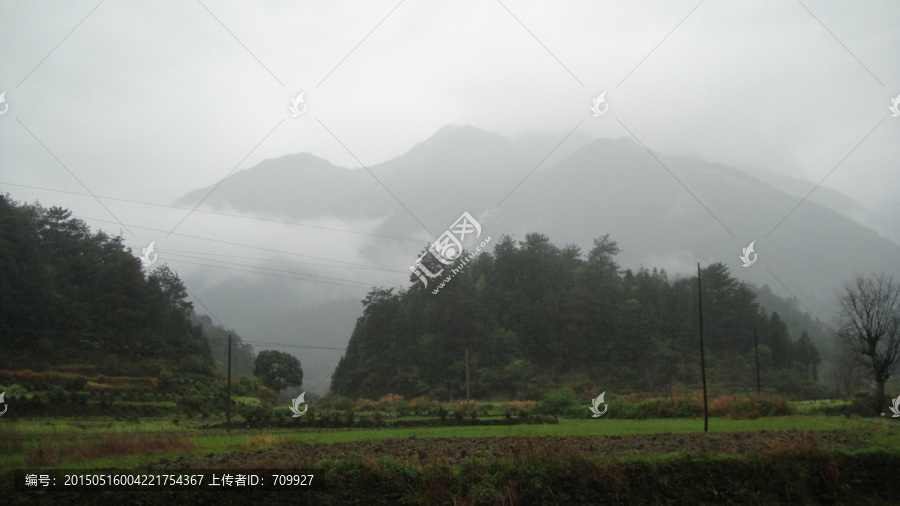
[(147, 100)]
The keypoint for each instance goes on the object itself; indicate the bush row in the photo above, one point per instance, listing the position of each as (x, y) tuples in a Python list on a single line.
[(565, 402)]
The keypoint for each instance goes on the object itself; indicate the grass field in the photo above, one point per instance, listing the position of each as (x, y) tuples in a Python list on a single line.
[(771, 460), (79, 443)]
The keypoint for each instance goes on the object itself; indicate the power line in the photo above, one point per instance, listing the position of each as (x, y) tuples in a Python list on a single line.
[(204, 306), (276, 260), (333, 229), (293, 345), (268, 269), (273, 275), (245, 245)]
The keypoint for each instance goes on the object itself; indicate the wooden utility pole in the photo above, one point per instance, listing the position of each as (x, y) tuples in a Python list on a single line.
[(228, 408), (756, 351), (467, 379), (702, 356)]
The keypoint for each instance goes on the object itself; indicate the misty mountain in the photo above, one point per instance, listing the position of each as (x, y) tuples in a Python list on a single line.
[(464, 163), (300, 177), (664, 211), (684, 210), (885, 225)]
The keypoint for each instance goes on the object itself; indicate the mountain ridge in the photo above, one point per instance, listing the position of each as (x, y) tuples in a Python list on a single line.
[(664, 211)]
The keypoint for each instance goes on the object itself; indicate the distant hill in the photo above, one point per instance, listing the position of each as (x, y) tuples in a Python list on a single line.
[(885, 225), (534, 316), (670, 213)]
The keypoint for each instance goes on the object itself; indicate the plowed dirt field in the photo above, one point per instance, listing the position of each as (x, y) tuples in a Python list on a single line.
[(451, 451)]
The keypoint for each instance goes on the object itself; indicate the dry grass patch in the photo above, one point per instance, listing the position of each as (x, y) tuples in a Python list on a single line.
[(55, 452), (9, 438), (265, 440)]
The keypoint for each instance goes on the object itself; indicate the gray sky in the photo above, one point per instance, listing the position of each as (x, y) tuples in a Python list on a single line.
[(147, 100)]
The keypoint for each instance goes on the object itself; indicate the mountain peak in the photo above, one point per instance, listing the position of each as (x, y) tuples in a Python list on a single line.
[(451, 139)]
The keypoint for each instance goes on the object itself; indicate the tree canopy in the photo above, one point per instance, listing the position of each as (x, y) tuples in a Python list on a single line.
[(278, 370), (534, 315), (69, 295)]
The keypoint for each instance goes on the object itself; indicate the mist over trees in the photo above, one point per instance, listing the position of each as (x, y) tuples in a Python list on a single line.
[(242, 355), (535, 316), (71, 296)]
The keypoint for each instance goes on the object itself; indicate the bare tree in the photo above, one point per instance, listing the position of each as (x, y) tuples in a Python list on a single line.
[(847, 375), (869, 326)]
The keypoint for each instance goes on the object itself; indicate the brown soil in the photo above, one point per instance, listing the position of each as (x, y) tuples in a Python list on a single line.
[(452, 451)]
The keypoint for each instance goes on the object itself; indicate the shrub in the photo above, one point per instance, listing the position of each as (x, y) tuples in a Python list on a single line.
[(440, 393), (557, 402), (402, 408), (339, 403), (13, 391), (365, 405), (150, 367), (245, 386), (734, 406), (194, 404), (57, 395), (862, 404), (515, 406), (469, 406), (632, 407), (686, 406), (389, 402), (267, 396), (282, 413), (194, 364), (256, 413), (421, 405), (166, 378), (76, 384), (113, 366), (820, 407)]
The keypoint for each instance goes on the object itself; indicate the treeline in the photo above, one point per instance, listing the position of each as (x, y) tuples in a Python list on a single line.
[(533, 316), (70, 296)]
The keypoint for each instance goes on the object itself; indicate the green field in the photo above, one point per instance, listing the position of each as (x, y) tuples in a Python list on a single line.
[(45, 434), (665, 461)]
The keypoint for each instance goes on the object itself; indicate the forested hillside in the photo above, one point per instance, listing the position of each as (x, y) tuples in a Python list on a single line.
[(69, 296), (242, 355), (535, 316)]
